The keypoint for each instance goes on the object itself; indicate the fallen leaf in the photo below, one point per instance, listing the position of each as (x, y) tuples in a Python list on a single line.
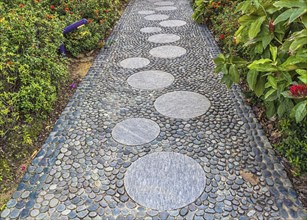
[(249, 177)]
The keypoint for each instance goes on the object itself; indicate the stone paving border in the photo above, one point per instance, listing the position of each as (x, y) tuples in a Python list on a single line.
[(285, 197)]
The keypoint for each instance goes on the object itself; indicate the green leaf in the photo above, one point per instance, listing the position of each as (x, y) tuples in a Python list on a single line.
[(300, 111), (304, 20), (270, 109), (255, 27), (282, 108), (296, 14), (270, 93), (273, 52), (220, 59), (259, 88), (289, 4), (272, 82), (303, 75), (298, 43), (252, 79), (234, 74), (284, 16), (266, 40)]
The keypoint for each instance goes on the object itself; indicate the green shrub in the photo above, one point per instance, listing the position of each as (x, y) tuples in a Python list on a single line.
[(101, 16), (275, 36), (294, 145)]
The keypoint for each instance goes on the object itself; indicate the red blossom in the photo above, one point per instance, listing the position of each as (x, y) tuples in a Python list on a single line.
[(21, 5), (52, 7), (106, 11), (299, 90), (66, 9), (222, 37), (23, 168)]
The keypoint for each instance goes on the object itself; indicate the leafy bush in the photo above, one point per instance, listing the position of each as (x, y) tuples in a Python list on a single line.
[(294, 145), (101, 15), (32, 72), (275, 36)]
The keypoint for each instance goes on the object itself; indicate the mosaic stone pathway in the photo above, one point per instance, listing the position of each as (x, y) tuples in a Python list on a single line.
[(152, 134)]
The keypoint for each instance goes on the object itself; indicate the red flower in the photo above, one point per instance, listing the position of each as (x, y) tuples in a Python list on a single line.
[(21, 5), (23, 168), (299, 90), (66, 9), (52, 7), (106, 11), (222, 37)]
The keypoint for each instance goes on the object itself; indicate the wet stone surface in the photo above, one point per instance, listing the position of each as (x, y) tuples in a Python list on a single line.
[(163, 38), (159, 180), (134, 62), (135, 131), (80, 171), (165, 8), (151, 79), (156, 17), (182, 104), (150, 29), (172, 23), (168, 51)]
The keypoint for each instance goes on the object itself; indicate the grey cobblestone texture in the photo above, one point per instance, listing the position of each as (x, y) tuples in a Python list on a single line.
[(79, 172)]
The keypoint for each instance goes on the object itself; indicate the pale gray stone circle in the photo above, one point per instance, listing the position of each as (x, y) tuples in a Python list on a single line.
[(146, 12), (172, 23), (135, 131), (150, 29), (156, 17), (151, 79), (163, 38), (182, 104), (134, 62), (165, 3), (159, 180), (168, 51), (166, 8)]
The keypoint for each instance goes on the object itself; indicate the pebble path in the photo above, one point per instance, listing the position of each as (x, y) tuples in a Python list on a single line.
[(151, 134)]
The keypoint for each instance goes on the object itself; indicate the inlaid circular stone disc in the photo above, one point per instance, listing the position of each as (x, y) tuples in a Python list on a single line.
[(163, 38), (165, 3), (172, 23), (156, 17), (135, 131), (151, 79), (164, 180), (134, 62), (182, 104), (166, 8), (151, 29), (167, 51), (146, 12)]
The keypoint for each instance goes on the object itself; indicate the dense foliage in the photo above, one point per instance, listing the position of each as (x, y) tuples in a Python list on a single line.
[(265, 47), (32, 71)]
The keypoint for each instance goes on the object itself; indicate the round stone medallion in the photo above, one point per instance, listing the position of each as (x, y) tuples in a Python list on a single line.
[(182, 104), (135, 131), (156, 17), (167, 51), (172, 23), (164, 3), (166, 8), (164, 180), (163, 38), (146, 12), (150, 29), (151, 79), (134, 62)]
